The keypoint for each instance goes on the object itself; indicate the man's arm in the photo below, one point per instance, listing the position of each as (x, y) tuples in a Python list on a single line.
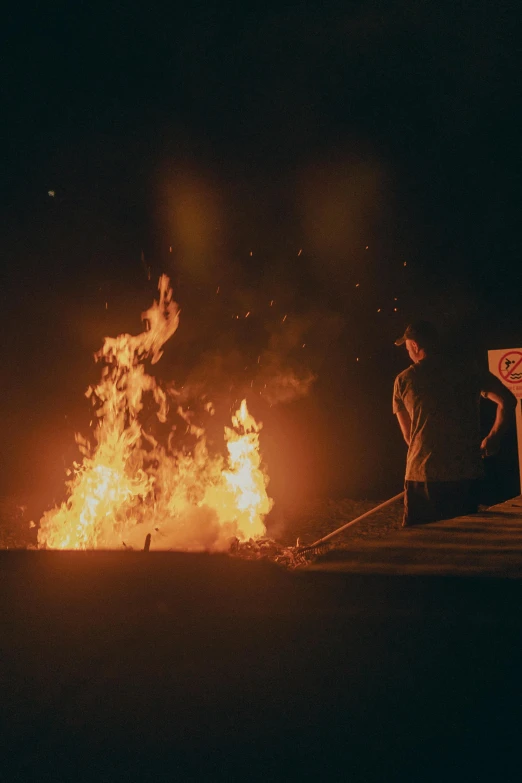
[(493, 389), (403, 417), (398, 407)]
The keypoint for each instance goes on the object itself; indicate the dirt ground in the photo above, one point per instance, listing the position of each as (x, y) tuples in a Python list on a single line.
[(169, 666), (324, 516), (173, 666)]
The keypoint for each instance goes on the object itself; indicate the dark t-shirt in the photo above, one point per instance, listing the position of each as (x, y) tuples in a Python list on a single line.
[(442, 399)]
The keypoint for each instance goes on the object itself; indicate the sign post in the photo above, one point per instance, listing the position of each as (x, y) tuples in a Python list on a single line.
[(506, 364)]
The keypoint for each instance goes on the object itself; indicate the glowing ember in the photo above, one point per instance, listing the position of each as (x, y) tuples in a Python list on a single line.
[(129, 485)]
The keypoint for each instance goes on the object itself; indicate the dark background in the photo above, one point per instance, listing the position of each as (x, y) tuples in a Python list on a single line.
[(358, 164)]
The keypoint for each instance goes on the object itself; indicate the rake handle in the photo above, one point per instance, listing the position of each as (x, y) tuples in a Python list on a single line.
[(349, 524)]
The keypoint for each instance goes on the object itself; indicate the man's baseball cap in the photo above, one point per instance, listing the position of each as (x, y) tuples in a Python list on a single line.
[(421, 331)]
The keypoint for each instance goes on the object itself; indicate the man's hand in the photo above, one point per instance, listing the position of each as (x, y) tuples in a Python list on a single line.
[(506, 403), (490, 445)]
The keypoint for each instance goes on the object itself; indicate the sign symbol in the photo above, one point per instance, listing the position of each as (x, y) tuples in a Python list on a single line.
[(510, 367)]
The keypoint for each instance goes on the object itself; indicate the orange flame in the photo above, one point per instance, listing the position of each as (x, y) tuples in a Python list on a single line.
[(129, 485)]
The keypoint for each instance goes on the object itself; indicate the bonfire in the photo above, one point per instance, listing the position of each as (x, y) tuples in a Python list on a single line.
[(129, 485)]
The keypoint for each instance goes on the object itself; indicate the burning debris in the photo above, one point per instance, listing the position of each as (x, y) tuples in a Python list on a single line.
[(268, 549), (129, 485)]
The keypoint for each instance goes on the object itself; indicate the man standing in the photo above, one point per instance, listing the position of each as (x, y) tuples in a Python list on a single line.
[(436, 401)]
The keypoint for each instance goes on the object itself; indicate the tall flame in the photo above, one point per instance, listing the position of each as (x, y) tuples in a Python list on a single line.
[(128, 485)]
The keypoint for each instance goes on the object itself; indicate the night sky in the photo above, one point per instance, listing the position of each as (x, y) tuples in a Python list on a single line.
[(355, 164)]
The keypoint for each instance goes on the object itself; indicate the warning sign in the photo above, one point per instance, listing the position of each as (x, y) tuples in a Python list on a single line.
[(506, 364)]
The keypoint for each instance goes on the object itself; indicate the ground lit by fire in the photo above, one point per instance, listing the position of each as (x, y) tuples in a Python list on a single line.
[(129, 484)]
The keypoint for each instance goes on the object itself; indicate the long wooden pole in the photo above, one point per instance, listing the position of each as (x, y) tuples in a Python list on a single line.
[(349, 524)]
